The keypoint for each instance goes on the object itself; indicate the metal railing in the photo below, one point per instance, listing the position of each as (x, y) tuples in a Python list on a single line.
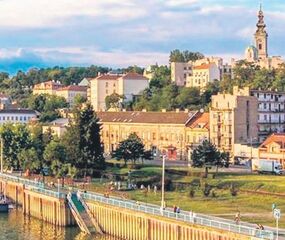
[(149, 208), (32, 185), (182, 216)]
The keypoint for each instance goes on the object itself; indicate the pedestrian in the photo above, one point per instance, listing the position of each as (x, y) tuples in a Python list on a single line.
[(178, 209), (174, 209), (142, 187), (148, 188), (237, 217), (155, 189)]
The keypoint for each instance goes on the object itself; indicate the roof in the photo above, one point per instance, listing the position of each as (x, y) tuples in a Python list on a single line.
[(199, 120), (60, 122), (73, 88), (127, 76), (108, 77), (135, 76), (202, 66), (18, 111), (278, 138), (146, 117)]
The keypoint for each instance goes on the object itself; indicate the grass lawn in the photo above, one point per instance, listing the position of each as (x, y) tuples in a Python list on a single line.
[(255, 208)]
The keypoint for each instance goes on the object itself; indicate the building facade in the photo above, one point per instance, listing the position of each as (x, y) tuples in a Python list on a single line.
[(70, 93), (186, 74), (202, 75), (172, 133), (17, 116), (271, 110), (49, 87), (273, 148), (57, 127), (233, 119), (128, 85)]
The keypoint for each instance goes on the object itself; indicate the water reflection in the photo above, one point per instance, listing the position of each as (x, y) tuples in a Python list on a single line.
[(15, 225)]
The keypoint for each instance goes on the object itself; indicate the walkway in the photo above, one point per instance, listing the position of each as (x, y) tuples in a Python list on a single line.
[(205, 220)]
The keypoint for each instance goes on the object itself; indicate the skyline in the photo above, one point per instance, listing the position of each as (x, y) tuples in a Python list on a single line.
[(122, 33)]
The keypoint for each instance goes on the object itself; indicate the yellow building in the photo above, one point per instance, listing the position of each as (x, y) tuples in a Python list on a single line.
[(171, 133), (70, 92), (57, 127), (49, 87), (233, 119)]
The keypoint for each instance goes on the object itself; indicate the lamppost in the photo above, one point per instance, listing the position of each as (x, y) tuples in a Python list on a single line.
[(162, 183)]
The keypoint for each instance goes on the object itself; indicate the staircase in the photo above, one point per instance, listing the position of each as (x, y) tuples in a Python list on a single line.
[(83, 216)]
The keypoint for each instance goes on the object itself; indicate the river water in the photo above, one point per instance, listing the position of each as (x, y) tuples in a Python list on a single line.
[(15, 226)]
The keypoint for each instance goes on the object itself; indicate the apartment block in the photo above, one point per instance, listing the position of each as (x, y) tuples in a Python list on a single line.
[(233, 120), (129, 85), (271, 110), (70, 92)]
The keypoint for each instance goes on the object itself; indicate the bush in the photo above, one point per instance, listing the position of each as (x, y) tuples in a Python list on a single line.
[(192, 192), (234, 190), (214, 194), (207, 190)]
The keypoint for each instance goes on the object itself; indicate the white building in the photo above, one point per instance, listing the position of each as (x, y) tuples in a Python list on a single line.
[(181, 73), (202, 75), (128, 85), (17, 115)]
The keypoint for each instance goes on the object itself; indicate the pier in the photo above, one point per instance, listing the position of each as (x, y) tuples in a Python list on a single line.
[(117, 217)]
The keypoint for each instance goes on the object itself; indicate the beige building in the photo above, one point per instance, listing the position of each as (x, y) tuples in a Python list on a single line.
[(185, 74), (233, 119), (70, 92), (57, 127), (49, 87), (202, 75), (129, 85), (171, 133)]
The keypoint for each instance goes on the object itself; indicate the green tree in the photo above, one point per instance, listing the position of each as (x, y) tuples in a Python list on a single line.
[(113, 100), (90, 144), (29, 160), (184, 56), (205, 155), (188, 97), (130, 149)]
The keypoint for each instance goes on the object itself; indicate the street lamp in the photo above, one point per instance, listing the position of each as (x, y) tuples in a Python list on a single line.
[(162, 183)]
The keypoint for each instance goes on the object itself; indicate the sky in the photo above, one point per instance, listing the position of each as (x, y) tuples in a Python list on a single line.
[(119, 33)]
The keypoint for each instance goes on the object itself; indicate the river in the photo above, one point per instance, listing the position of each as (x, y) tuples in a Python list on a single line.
[(15, 226)]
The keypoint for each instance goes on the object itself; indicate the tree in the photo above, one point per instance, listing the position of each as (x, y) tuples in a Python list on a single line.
[(130, 149), (55, 156), (188, 97), (184, 56), (78, 100), (223, 160), (90, 145), (29, 160), (205, 155), (113, 100)]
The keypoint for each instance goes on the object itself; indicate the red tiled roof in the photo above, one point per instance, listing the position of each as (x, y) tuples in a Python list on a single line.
[(145, 117), (73, 88), (135, 76), (108, 77), (278, 138), (200, 120), (201, 67)]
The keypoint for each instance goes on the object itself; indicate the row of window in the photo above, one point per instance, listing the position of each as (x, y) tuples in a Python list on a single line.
[(16, 118)]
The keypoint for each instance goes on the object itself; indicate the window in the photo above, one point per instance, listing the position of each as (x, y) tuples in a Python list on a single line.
[(3, 118), (107, 84), (16, 118), (260, 46), (21, 118), (25, 118), (107, 91), (8, 118)]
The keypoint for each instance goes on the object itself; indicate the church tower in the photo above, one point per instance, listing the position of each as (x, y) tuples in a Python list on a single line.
[(261, 36)]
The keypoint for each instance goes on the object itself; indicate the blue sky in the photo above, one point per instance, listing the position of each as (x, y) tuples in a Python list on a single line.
[(118, 33)]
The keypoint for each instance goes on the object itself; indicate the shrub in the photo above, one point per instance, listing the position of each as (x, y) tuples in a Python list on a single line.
[(233, 190), (207, 190), (214, 194), (192, 192)]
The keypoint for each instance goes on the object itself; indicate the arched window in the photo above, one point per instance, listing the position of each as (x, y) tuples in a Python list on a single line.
[(260, 46)]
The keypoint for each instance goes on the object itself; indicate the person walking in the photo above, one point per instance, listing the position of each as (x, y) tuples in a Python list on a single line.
[(237, 217), (174, 209)]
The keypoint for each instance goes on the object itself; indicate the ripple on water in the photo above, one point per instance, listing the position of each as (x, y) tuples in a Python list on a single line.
[(16, 226)]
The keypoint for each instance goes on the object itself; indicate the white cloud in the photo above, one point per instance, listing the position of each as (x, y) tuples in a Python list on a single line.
[(179, 3), (39, 13)]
